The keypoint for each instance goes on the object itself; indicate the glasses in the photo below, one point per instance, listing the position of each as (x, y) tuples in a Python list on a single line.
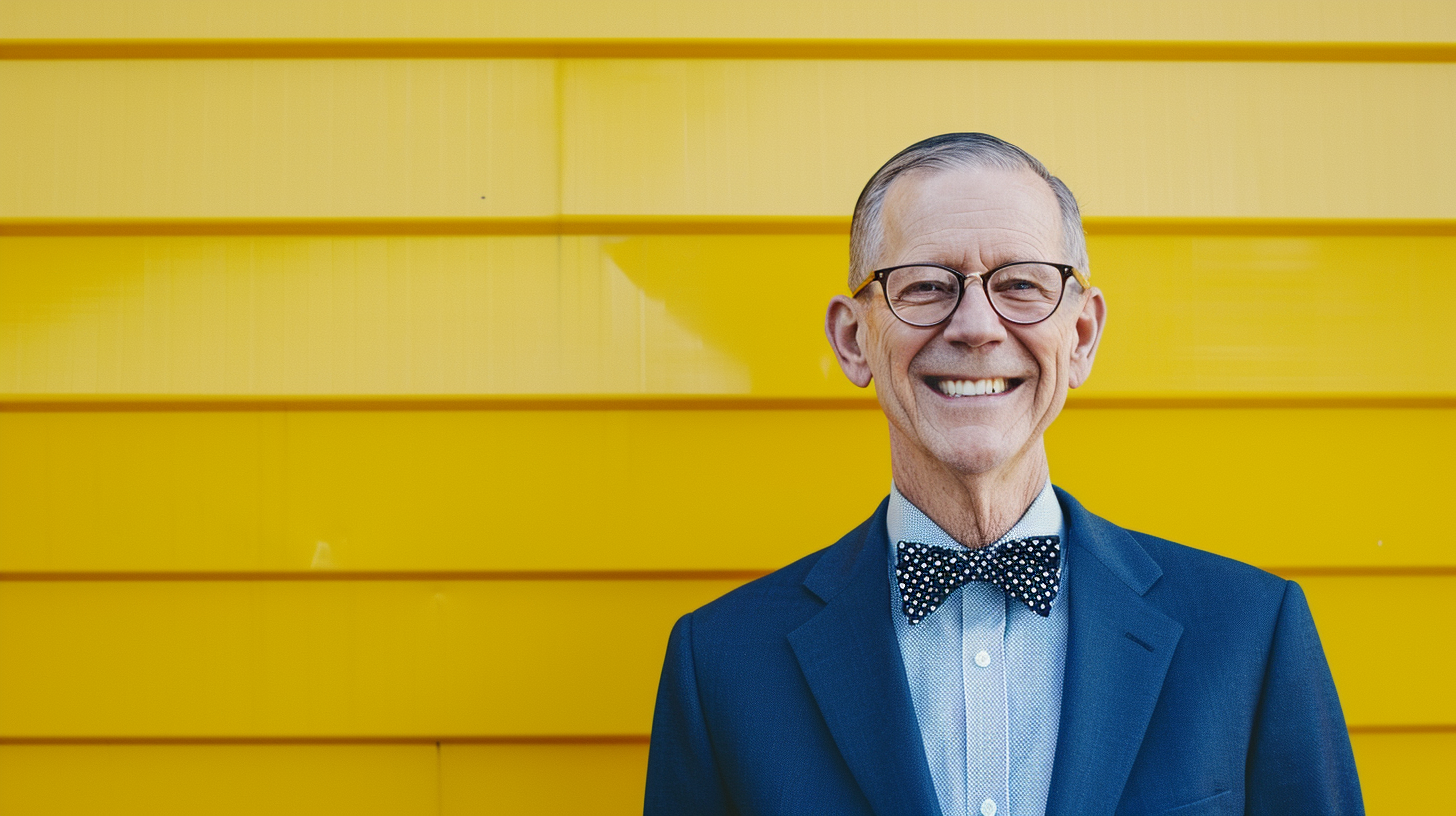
[(1022, 292)]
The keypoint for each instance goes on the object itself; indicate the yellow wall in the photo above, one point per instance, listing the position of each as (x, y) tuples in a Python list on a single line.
[(334, 335)]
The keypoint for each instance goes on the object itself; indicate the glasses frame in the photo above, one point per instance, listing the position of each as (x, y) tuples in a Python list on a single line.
[(1067, 271)]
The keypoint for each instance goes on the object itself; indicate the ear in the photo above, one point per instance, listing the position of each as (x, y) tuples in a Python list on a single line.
[(1090, 321), (842, 324)]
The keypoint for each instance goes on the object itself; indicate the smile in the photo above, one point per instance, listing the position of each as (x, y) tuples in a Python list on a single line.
[(972, 388)]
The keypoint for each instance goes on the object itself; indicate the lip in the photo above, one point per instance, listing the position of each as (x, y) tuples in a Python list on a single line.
[(932, 384)]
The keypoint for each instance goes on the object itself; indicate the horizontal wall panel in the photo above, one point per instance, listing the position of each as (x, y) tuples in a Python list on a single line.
[(1282, 489), (392, 658), (162, 780), (674, 314), (1334, 20), (460, 490), (443, 658), (434, 138), (394, 315), (1396, 771), (1131, 139), (548, 779), (220, 138), (1236, 314), (435, 491)]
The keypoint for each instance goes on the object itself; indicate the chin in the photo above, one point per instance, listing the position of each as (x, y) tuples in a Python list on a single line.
[(975, 452)]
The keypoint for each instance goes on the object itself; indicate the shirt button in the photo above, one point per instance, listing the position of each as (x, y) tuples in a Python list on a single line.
[(988, 807), (983, 660)]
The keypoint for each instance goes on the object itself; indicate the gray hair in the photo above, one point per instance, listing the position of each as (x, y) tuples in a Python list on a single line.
[(952, 151)]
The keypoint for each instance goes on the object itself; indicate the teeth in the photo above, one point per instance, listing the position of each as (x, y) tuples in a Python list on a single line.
[(972, 388)]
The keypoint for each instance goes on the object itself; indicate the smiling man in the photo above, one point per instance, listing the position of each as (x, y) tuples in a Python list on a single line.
[(982, 644)]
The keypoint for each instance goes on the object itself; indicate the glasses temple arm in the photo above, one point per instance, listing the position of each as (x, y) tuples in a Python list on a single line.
[(862, 284)]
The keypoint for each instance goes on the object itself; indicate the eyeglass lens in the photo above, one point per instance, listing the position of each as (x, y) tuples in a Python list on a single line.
[(1021, 293)]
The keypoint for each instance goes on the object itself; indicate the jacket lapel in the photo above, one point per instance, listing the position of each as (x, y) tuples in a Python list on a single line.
[(851, 660), (1118, 650)]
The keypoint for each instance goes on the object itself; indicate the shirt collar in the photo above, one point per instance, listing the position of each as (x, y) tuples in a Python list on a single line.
[(906, 522)]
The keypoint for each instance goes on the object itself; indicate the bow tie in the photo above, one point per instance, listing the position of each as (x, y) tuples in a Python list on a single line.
[(1025, 569)]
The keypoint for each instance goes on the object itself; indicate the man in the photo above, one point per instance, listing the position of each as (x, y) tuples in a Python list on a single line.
[(982, 644)]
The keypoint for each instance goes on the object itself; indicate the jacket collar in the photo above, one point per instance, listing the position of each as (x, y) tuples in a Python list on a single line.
[(851, 661), (1118, 650)]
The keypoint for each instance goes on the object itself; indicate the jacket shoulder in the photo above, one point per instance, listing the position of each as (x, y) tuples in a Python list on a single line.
[(1180, 560), (782, 600), (1212, 589), (1168, 574), (782, 586)]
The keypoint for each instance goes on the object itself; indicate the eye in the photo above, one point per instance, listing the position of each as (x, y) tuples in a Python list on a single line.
[(923, 292), (922, 284), (926, 287), (1026, 281)]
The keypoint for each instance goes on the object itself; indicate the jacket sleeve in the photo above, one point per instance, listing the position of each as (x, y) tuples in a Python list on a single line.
[(682, 776), (1300, 761)]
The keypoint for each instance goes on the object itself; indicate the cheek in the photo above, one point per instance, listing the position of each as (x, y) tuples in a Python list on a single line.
[(889, 358), (1059, 351)]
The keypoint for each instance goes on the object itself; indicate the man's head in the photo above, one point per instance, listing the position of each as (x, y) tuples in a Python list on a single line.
[(972, 203)]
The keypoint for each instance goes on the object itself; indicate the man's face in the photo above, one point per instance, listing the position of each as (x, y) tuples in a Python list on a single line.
[(973, 220)]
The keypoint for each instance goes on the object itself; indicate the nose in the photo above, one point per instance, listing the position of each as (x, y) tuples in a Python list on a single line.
[(974, 322)]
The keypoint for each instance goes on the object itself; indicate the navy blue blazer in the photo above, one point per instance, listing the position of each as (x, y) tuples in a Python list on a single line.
[(1194, 685)]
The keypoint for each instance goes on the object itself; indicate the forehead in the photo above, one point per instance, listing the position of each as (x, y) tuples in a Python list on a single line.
[(971, 218)]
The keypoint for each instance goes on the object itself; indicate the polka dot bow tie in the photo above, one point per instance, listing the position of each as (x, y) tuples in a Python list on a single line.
[(1025, 569)]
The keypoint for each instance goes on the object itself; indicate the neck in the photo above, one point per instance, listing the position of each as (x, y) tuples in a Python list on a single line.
[(976, 509)]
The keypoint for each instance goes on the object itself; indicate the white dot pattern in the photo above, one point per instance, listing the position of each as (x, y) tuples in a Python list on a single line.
[(1025, 569)]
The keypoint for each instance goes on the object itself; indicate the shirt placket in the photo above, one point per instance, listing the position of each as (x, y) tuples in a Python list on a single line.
[(983, 672)]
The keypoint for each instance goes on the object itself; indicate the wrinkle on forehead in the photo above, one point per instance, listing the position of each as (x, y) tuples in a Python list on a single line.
[(972, 219)]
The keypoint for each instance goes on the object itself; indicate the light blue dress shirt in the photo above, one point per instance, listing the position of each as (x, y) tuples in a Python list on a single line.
[(985, 675)]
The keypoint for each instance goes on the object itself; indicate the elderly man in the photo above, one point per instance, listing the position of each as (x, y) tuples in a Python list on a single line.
[(982, 644)]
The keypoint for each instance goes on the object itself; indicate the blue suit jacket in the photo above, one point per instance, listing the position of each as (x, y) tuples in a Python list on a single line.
[(1194, 685)]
